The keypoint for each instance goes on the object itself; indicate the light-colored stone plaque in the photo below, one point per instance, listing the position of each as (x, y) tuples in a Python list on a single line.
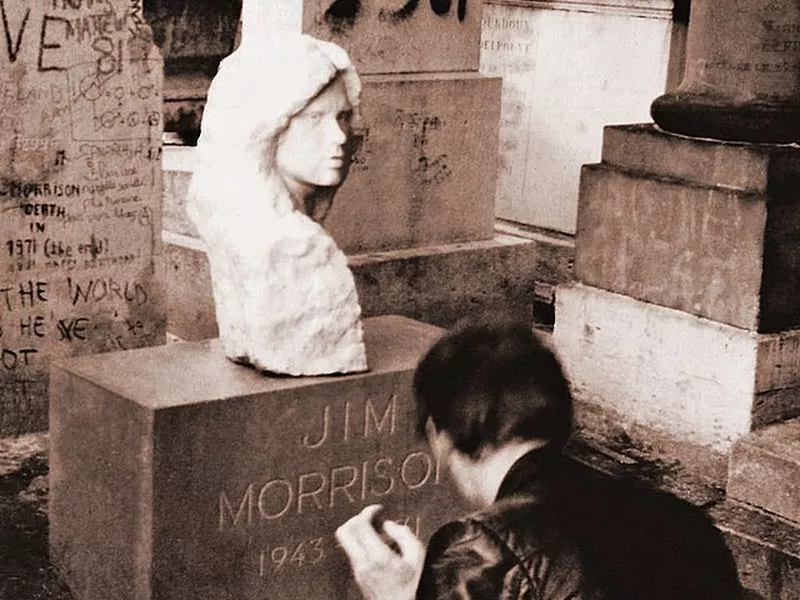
[(568, 69), (80, 191), (382, 36)]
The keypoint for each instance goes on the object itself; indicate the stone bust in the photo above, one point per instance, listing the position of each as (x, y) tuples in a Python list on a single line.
[(272, 152)]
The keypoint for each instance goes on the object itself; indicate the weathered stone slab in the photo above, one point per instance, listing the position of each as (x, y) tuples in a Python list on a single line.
[(757, 168), (210, 480), (382, 37), (717, 248), (425, 283), (80, 192), (764, 470), (425, 172), (691, 377)]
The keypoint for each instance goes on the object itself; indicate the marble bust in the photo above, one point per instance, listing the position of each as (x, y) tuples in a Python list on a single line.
[(273, 150)]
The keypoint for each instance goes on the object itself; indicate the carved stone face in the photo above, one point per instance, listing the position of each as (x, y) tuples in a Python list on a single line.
[(312, 151)]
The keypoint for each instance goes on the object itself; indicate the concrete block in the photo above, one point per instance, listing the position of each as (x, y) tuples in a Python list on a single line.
[(436, 284), (175, 473), (764, 469), (91, 307), (383, 37), (425, 172), (716, 252), (690, 377)]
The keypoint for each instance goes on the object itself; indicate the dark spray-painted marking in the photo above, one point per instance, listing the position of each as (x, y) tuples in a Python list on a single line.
[(396, 16), (342, 14), (441, 7)]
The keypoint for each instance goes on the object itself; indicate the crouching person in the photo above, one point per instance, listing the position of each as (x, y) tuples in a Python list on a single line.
[(497, 411)]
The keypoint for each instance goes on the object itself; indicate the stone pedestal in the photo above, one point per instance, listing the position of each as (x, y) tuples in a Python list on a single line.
[(685, 316), (175, 473), (741, 78)]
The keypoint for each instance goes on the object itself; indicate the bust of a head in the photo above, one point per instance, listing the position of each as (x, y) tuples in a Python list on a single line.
[(275, 145)]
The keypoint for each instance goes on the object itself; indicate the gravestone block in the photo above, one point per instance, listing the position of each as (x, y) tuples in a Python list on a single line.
[(175, 473), (696, 233), (407, 36), (424, 173), (80, 192)]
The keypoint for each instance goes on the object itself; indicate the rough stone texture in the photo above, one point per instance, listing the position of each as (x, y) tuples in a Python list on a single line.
[(209, 480), (424, 174), (80, 193), (382, 37), (765, 470), (285, 299), (717, 243), (691, 377), (426, 283)]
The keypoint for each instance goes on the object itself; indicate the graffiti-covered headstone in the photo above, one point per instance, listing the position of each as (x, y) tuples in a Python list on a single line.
[(80, 191)]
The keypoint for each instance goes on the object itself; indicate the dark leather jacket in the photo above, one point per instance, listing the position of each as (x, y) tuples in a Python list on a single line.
[(559, 531)]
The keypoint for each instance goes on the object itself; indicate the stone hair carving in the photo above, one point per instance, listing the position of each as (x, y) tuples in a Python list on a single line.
[(266, 173)]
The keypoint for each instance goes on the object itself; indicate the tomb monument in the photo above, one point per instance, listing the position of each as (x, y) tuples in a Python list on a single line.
[(417, 208), (80, 192), (176, 472)]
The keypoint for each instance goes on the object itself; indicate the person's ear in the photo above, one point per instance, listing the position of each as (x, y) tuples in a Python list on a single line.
[(440, 441)]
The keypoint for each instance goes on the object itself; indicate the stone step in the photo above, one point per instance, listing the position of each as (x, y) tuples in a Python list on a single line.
[(438, 284), (766, 549), (764, 470)]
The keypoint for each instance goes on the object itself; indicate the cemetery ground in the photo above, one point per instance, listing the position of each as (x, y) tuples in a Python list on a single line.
[(27, 574)]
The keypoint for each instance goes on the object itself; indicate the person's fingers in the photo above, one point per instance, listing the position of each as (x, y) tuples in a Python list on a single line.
[(371, 514), (410, 547), (347, 536), (360, 539)]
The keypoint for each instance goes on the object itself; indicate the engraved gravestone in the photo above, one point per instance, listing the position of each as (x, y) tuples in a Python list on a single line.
[(80, 190), (175, 473)]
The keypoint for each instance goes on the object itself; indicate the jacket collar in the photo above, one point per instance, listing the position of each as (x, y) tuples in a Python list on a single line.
[(530, 472)]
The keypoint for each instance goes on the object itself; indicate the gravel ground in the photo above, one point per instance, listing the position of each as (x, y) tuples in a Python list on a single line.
[(25, 570)]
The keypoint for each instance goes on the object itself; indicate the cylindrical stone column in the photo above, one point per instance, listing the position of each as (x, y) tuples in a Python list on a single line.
[(742, 78)]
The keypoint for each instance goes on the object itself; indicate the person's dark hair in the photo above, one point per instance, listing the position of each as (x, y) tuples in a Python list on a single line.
[(490, 382)]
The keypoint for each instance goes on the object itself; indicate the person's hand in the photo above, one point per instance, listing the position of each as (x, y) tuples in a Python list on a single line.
[(386, 557)]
